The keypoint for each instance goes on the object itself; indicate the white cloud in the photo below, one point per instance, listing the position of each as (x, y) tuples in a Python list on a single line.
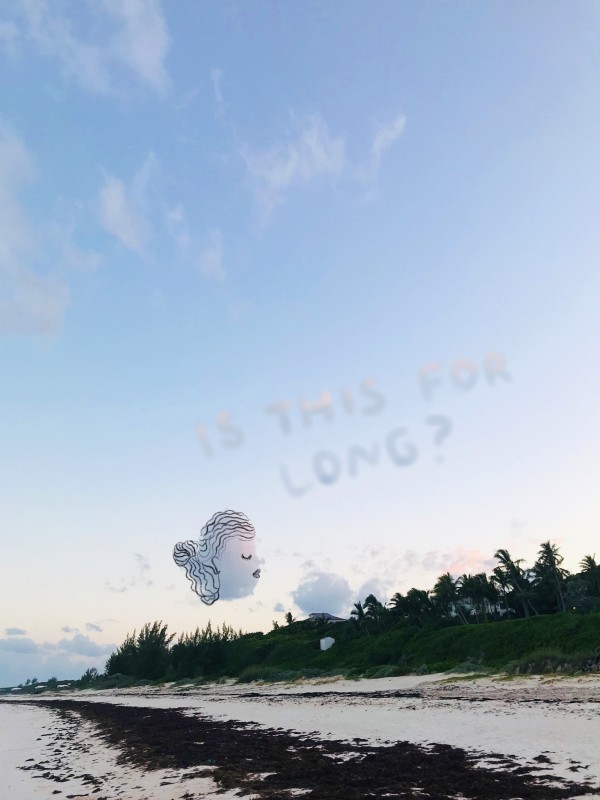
[(9, 33), (24, 658), (310, 154), (385, 136), (119, 217), (375, 586), (123, 208), (323, 591), (127, 36), (20, 644), (211, 258), (177, 227), (81, 645), (142, 41), (398, 571), (30, 303)]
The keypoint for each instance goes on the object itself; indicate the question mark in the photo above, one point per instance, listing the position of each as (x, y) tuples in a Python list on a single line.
[(444, 428)]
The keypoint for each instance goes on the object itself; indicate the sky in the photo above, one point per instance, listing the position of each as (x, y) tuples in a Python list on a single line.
[(331, 265)]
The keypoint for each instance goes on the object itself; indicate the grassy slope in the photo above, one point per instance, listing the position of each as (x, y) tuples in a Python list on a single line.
[(566, 637)]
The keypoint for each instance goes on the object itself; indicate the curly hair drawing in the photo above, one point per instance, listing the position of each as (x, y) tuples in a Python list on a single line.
[(198, 558)]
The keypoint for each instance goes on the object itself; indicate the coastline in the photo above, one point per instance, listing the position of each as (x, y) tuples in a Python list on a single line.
[(546, 727)]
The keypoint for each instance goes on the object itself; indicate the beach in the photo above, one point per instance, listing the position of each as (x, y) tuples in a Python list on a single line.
[(429, 736)]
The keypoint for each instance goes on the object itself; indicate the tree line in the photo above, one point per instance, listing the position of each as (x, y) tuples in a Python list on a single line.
[(511, 591)]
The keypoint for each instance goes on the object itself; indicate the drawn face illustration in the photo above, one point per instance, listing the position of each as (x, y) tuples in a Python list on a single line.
[(222, 563), (236, 566)]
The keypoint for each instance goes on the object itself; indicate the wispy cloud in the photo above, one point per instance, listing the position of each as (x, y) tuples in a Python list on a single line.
[(309, 153), (118, 589), (210, 262), (14, 632), (142, 41), (124, 584), (98, 42), (385, 136), (123, 207), (142, 562), (92, 626), (31, 303), (398, 571), (177, 227)]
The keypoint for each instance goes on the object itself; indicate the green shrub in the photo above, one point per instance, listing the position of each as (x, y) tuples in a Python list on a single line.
[(550, 661), (269, 674)]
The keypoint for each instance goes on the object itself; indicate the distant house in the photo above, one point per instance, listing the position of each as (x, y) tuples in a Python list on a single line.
[(326, 642), (323, 616)]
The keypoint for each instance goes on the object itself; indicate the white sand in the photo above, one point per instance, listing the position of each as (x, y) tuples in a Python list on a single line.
[(89, 763), (486, 715)]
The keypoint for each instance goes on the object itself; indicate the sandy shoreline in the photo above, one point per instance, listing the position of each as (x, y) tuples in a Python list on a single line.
[(551, 725)]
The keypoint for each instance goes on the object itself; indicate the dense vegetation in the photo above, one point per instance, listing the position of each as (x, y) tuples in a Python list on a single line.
[(518, 618)]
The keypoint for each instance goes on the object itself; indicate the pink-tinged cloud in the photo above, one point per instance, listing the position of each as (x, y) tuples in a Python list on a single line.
[(458, 561)]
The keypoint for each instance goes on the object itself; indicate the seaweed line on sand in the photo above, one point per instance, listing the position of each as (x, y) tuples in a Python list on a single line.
[(276, 764)]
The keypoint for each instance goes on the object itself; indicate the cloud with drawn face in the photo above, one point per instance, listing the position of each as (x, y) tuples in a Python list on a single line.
[(222, 564)]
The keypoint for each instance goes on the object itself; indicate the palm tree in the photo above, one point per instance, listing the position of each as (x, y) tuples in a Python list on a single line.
[(375, 610), (397, 604), (447, 597), (590, 569), (518, 580), (360, 617), (478, 590), (548, 566), (468, 589), (419, 606), (501, 584)]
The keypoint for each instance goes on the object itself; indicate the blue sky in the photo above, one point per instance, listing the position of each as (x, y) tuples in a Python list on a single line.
[(210, 209)]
